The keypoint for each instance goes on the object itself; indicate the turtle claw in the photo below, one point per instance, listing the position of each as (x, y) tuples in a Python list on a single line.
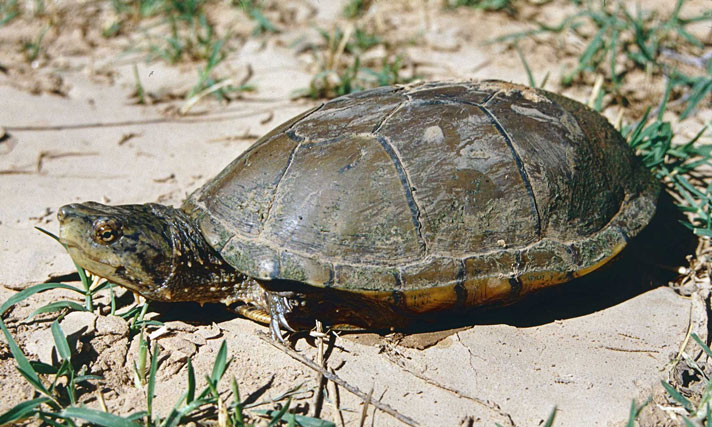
[(276, 331), (279, 306)]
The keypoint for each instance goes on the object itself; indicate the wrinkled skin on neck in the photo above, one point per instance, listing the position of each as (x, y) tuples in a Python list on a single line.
[(152, 249)]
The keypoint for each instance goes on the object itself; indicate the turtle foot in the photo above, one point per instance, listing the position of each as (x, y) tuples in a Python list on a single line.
[(280, 305)]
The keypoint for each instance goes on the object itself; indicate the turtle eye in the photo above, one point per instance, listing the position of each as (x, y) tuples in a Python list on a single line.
[(106, 231)]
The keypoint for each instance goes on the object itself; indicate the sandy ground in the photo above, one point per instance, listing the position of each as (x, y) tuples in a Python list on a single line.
[(74, 132)]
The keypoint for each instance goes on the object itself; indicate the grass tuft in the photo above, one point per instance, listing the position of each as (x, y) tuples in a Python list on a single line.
[(618, 41), (9, 10), (677, 166), (487, 5), (698, 411), (341, 70)]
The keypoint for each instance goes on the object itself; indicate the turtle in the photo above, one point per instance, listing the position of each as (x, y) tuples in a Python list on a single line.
[(377, 208)]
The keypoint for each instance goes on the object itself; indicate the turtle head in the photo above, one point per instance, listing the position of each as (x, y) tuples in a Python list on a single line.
[(130, 245)]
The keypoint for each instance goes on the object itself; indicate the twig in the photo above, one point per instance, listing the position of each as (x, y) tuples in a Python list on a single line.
[(595, 91), (333, 377), (318, 401), (364, 412), (202, 119), (183, 110), (334, 398), (677, 358)]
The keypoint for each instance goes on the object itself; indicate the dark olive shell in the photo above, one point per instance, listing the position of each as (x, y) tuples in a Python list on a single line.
[(430, 196)]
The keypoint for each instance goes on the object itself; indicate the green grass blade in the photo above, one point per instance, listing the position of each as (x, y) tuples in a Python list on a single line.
[(190, 393), (239, 417), (300, 420), (82, 378), (210, 389), (23, 364), (702, 232), (221, 363), (97, 417), (152, 380), (101, 286), (60, 342), (136, 416), (82, 274), (62, 371), (682, 400), (57, 306), (31, 377), (22, 410), (632, 415), (528, 70), (26, 293), (698, 92), (689, 37), (635, 411), (550, 421), (173, 419), (613, 52), (666, 98), (50, 418), (43, 368), (634, 139), (702, 344), (277, 417), (50, 234)]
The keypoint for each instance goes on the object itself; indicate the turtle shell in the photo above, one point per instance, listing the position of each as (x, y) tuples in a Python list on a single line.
[(430, 196)]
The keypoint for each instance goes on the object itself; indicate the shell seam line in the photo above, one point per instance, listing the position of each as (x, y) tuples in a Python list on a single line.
[(290, 160), (520, 166), (415, 210), (378, 127), (491, 97)]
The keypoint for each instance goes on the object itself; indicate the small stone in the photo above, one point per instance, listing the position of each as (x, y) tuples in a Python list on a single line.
[(78, 323), (112, 325), (180, 326), (41, 344), (180, 345), (197, 339), (210, 332)]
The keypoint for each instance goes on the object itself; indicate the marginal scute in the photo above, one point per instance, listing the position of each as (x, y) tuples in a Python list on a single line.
[(354, 277), (443, 270), (305, 270), (252, 258)]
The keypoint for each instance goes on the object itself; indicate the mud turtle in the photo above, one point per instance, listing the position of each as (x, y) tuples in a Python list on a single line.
[(379, 207)]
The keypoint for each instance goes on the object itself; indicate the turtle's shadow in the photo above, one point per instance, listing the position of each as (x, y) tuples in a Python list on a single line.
[(650, 260)]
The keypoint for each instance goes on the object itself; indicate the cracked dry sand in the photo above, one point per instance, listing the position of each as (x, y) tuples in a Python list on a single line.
[(588, 349)]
